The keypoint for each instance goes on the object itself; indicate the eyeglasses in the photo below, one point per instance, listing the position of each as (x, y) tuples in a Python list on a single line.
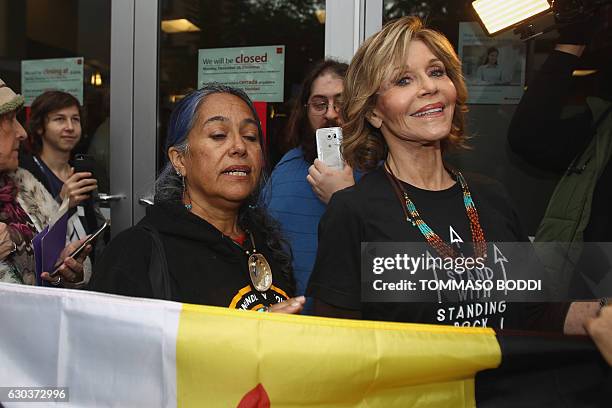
[(320, 108)]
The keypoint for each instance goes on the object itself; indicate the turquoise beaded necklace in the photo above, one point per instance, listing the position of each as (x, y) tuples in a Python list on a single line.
[(413, 217)]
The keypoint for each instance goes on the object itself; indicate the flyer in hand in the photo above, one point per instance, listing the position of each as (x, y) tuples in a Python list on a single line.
[(49, 243)]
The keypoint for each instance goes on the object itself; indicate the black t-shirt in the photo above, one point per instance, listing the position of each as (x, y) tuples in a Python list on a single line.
[(205, 266), (371, 212)]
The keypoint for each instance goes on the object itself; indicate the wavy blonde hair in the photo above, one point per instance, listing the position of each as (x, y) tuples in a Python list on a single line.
[(376, 62)]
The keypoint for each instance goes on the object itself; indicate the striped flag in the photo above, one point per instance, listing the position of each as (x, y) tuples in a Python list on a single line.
[(126, 352)]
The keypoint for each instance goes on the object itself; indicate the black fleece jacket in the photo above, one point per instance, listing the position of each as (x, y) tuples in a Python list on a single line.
[(205, 266)]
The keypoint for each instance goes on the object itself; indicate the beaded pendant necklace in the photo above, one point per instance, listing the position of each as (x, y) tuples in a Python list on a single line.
[(413, 217)]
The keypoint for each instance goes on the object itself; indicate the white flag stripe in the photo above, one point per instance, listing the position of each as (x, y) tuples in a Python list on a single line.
[(109, 350)]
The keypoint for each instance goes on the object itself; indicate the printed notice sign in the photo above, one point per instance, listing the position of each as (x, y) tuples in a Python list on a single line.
[(494, 68), (259, 71), (58, 74)]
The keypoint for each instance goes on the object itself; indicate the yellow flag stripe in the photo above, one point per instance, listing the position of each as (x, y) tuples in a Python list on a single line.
[(221, 354)]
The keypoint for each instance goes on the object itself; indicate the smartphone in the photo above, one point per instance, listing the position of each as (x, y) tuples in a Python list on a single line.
[(81, 247), (84, 163), (329, 144)]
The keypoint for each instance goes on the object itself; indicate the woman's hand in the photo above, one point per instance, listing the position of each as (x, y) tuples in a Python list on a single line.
[(289, 306), (77, 187), (325, 181), (70, 272), (600, 330), (7, 246)]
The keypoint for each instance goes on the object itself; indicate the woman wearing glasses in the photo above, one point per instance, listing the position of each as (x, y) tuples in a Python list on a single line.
[(301, 185)]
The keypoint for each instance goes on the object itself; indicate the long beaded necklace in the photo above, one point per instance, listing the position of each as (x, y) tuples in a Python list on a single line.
[(413, 216)]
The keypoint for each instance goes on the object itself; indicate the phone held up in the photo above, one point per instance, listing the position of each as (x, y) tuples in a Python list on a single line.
[(84, 163), (329, 145)]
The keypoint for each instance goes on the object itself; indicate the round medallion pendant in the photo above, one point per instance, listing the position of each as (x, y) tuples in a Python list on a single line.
[(261, 274)]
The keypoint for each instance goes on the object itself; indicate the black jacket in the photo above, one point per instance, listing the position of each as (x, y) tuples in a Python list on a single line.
[(205, 266), (540, 136)]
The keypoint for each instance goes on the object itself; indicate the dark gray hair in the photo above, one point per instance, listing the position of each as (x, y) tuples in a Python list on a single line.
[(169, 184)]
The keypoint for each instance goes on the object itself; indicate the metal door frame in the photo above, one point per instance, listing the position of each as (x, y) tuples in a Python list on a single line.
[(133, 119), (348, 23)]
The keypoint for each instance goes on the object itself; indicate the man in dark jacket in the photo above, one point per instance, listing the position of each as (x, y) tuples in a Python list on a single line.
[(543, 138)]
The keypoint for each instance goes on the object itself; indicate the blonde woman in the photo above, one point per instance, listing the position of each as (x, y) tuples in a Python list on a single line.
[(404, 105)]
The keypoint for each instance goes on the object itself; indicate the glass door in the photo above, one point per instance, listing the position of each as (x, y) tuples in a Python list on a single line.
[(66, 46)]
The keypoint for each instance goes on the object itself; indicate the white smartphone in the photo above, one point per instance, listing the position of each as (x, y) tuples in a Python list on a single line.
[(329, 144)]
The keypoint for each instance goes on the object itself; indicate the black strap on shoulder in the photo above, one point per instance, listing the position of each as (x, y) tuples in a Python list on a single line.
[(158, 266)]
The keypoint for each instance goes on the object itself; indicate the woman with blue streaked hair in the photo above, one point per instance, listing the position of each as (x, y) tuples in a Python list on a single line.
[(205, 240)]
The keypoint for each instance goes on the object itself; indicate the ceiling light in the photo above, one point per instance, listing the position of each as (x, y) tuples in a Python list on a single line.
[(96, 79), (320, 15), (175, 98), (583, 72), (180, 25)]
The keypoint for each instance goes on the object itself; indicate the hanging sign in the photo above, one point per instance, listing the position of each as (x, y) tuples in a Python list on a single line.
[(259, 71), (58, 74)]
